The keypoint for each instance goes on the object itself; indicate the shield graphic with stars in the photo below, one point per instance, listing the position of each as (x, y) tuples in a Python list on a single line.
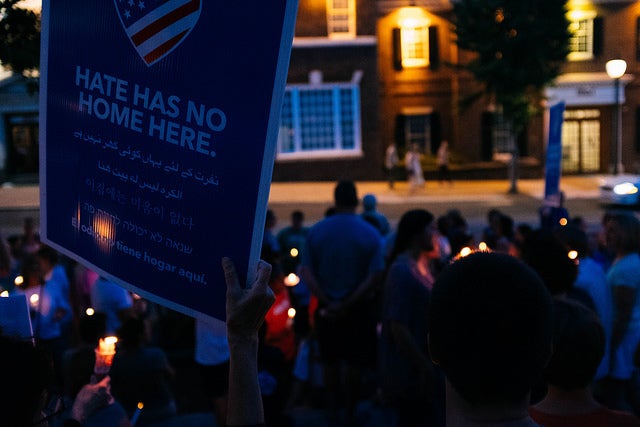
[(157, 27)]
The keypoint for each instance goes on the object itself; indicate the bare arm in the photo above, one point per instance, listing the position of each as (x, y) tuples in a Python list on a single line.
[(246, 309)]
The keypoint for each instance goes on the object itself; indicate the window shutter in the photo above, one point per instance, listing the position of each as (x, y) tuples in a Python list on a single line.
[(396, 49), (400, 134), (637, 130), (436, 132), (638, 39), (598, 35), (486, 150), (434, 48), (523, 142)]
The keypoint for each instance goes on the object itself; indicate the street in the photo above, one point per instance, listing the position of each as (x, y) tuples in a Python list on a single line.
[(472, 198)]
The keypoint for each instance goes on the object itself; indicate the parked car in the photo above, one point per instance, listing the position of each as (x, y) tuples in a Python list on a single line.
[(620, 190)]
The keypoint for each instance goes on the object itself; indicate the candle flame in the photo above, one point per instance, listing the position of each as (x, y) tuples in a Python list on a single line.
[(291, 280)]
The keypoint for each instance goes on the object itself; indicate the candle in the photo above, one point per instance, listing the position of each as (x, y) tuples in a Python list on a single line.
[(104, 355), (136, 414), (291, 280), (33, 300)]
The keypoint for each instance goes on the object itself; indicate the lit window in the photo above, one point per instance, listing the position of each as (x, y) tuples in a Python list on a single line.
[(320, 119), (341, 18), (581, 46), (415, 47)]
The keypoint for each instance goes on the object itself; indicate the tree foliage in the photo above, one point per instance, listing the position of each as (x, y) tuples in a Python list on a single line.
[(19, 37), (519, 46)]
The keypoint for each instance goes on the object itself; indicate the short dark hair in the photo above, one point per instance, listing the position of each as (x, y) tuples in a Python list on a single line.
[(345, 194), (48, 254), (574, 238), (549, 257), (490, 320), (578, 346)]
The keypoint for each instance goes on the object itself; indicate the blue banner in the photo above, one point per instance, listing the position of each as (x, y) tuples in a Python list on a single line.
[(553, 164), (158, 130)]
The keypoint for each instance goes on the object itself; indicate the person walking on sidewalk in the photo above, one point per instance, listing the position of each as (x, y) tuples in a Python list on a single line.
[(413, 164), (443, 163)]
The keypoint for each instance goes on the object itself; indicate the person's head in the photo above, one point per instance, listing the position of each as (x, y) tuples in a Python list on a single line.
[(414, 231), (574, 238), (490, 328), (297, 218), (346, 195), (578, 346), (28, 226), (27, 373), (622, 232), (31, 272), (270, 220), (369, 202), (132, 333), (92, 327), (48, 258), (549, 257)]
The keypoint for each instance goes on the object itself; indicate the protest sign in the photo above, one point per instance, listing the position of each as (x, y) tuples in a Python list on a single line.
[(14, 317), (158, 127)]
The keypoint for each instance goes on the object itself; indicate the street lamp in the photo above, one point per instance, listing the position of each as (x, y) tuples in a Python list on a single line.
[(615, 70)]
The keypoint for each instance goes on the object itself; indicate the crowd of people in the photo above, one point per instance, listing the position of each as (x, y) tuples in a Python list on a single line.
[(538, 325)]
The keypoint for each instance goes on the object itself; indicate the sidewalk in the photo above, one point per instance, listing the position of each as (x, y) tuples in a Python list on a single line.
[(28, 197), (576, 187)]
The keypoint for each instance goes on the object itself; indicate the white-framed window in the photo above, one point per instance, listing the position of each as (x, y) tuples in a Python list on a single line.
[(415, 46), (320, 120), (581, 27), (341, 18)]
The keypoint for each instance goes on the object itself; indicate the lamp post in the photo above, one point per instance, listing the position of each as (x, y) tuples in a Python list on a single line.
[(615, 70)]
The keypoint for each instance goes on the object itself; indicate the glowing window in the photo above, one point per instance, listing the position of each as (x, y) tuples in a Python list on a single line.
[(582, 35), (415, 47), (341, 18)]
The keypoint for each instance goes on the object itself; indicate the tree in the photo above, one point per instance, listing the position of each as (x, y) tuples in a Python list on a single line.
[(19, 38), (520, 47)]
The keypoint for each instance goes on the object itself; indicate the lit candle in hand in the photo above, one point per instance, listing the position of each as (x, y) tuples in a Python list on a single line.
[(104, 355)]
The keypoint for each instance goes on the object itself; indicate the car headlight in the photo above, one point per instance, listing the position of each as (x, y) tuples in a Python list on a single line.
[(625, 189)]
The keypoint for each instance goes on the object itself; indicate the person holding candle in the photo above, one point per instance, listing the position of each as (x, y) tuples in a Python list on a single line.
[(48, 308), (25, 391), (141, 372)]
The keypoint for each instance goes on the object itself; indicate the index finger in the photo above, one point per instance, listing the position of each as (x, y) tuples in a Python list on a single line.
[(230, 275)]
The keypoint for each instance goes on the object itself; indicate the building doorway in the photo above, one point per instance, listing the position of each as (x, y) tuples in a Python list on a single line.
[(581, 141)]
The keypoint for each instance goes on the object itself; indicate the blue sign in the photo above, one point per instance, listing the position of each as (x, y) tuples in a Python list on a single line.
[(158, 128), (553, 165)]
